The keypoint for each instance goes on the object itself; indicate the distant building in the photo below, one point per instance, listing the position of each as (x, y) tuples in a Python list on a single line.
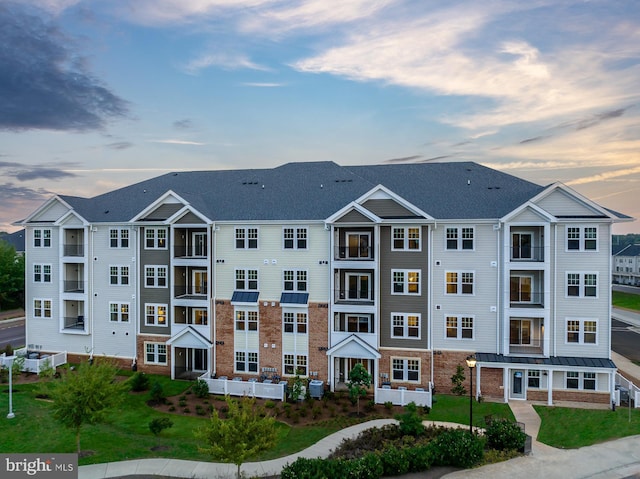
[(16, 240), (314, 267), (626, 265)]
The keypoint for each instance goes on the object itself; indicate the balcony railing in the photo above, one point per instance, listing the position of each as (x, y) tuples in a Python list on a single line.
[(527, 253), (190, 291), (73, 250), (354, 295), (189, 251), (525, 299), (74, 286), (535, 346), (352, 253), (74, 322)]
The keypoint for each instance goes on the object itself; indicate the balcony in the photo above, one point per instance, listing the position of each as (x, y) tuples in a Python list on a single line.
[(75, 250), (354, 253), (191, 291), (526, 299), (191, 251), (354, 296), (74, 322), (535, 347), (527, 253), (74, 286)]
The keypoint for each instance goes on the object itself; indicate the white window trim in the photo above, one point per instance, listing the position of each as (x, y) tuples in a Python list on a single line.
[(295, 281), (155, 315), (246, 311), (42, 237), (42, 308), (405, 326), (459, 327), (581, 331), (581, 381), (246, 361), (581, 239), (156, 353), (155, 238), (295, 313), (296, 364), (120, 275), (119, 312), (42, 265), (344, 318), (119, 238), (296, 237), (581, 285), (246, 279), (358, 275), (459, 239), (156, 268), (405, 378), (459, 283), (406, 283), (246, 237), (406, 238)]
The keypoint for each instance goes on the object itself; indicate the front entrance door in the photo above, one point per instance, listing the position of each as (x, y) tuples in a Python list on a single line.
[(517, 384)]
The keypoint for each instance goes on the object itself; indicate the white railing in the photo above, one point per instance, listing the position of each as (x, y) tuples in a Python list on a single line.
[(235, 387), (633, 390), (403, 396), (35, 365)]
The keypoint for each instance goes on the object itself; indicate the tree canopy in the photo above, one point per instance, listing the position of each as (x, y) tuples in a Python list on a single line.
[(11, 277)]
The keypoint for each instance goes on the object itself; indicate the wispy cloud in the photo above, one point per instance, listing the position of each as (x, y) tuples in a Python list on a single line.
[(225, 61), (120, 145), (607, 175), (24, 172), (178, 142), (184, 124), (264, 85)]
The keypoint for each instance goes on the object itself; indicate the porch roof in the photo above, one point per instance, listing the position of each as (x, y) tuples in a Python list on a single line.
[(189, 338), (294, 298), (245, 297), (563, 361), (354, 347)]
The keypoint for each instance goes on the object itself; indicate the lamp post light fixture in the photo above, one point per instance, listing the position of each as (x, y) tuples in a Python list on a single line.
[(8, 361), (471, 362)]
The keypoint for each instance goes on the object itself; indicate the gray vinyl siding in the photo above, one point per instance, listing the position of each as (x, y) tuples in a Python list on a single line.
[(388, 209), (156, 257), (392, 303), (163, 212), (354, 217), (190, 219)]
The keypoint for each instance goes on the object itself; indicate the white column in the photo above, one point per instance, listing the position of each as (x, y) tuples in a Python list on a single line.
[(505, 383), (549, 387)]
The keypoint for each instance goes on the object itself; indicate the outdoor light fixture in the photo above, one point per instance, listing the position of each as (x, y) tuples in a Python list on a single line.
[(471, 362), (8, 361)]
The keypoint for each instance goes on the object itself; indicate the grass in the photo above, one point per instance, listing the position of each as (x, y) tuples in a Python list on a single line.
[(626, 300), (456, 409), (571, 428)]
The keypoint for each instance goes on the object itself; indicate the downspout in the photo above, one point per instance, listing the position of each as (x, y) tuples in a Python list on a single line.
[(134, 311), (610, 261), (91, 293), (214, 281), (430, 262), (555, 287), (500, 267), (331, 300)]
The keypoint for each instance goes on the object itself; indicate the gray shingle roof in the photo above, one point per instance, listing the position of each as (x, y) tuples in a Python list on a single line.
[(629, 250), (315, 190), (16, 240)]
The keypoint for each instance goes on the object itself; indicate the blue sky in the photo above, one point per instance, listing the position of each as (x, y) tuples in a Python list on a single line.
[(98, 94)]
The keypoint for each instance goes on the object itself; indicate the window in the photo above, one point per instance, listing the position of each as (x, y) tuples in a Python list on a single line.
[(353, 323), (41, 308), (295, 322), (459, 282), (576, 380), (118, 238), (295, 280), (521, 289), (357, 246), (582, 285), (42, 273), (358, 285), (156, 353), (582, 238), (294, 238), (533, 379), (459, 327), (200, 317), (155, 238), (246, 320), (247, 279), (246, 361), (406, 370), (520, 332), (459, 238), (582, 331), (119, 312), (406, 239), (405, 325), (118, 275), (155, 276), (42, 238), (405, 282), (156, 314), (246, 238), (295, 364)]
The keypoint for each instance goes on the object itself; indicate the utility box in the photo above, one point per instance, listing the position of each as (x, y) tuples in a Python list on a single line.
[(316, 388)]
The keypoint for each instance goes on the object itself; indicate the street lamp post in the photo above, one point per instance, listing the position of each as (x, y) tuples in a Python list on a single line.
[(471, 362), (8, 361)]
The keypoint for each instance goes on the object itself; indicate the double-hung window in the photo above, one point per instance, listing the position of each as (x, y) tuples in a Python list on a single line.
[(459, 238), (247, 279), (582, 285), (155, 276), (294, 238), (155, 353), (407, 239), (582, 238), (119, 312), (118, 275), (118, 238), (577, 380), (246, 238), (246, 320), (459, 327), (42, 273), (295, 364), (405, 369), (155, 238), (533, 378), (246, 361), (42, 238), (459, 282), (41, 308), (405, 325), (582, 331), (295, 280), (294, 322), (155, 315), (404, 281)]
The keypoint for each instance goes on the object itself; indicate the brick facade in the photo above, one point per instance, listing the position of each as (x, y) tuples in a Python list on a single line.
[(384, 366), (444, 366), (491, 383), (122, 363), (152, 368)]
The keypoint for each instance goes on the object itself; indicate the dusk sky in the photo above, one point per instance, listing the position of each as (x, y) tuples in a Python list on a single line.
[(99, 94)]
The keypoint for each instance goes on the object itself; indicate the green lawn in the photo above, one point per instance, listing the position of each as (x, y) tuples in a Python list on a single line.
[(572, 428), (626, 300)]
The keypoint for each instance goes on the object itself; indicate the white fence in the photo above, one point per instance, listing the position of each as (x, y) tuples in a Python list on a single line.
[(624, 387), (402, 396), (237, 387), (37, 364)]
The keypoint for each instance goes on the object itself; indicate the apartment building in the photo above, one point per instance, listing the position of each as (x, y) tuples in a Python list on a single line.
[(314, 267)]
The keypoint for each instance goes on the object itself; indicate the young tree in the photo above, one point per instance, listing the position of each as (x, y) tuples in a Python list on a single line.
[(86, 395), (359, 381), (247, 431), (457, 380)]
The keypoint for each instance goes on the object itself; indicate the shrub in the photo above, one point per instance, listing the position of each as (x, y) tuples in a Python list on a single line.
[(367, 467), (139, 382), (458, 448), (200, 388), (200, 410), (269, 404), (410, 421), (503, 434), (420, 458), (182, 403), (394, 461), (157, 393), (370, 406), (316, 412), (457, 379), (186, 410), (388, 405), (159, 424)]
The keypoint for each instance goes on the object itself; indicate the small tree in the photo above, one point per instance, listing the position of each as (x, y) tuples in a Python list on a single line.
[(86, 395), (410, 421), (247, 431), (297, 387), (457, 379), (359, 381), (159, 424)]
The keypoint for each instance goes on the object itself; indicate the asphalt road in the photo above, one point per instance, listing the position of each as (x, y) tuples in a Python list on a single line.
[(625, 340), (12, 333), (626, 289)]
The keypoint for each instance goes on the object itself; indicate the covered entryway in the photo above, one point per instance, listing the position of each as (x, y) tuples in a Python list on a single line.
[(190, 353), (345, 355)]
